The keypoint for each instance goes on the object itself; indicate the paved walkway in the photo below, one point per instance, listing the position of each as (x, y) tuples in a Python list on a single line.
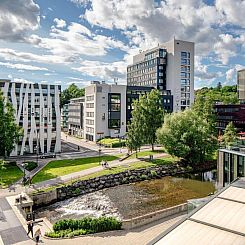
[(11, 230), (76, 175)]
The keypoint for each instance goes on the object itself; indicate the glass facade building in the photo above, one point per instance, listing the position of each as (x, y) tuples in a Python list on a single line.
[(231, 165)]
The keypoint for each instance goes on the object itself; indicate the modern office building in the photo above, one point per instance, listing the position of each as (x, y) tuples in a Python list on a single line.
[(218, 221), (134, 92), (230, 113), (76, 117), (241, 86), (104, 111), (170, 66), (37, 111), (64, 117), (231, 164)]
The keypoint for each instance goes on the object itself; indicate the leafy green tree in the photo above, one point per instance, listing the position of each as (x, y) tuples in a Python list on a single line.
[(230, 135), (152, 116), (70, 93), (219, 86), (204, 108), (10, 132), (188, 136), (135, 134)]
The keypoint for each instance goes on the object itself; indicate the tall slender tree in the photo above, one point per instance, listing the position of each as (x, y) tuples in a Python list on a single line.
[(230, 135), (10, 132)]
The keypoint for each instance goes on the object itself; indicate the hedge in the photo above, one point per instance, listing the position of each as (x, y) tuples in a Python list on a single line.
[(70, 227)]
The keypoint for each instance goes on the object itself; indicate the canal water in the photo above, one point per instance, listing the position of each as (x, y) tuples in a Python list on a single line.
[(127, 201)]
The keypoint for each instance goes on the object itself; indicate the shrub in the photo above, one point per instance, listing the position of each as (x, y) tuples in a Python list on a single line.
[(30, 165), (153, 173), (70, 228), (143, 177)]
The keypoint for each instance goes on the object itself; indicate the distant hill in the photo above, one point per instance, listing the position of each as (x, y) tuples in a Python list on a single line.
[(226, 94)]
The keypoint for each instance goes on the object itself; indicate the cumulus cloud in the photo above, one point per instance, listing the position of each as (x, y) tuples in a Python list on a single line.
[(59, 23), (103, 70), (231, 74), (17, 17)]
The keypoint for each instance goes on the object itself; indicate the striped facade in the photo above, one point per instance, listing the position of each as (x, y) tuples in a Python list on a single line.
[(37, 109)]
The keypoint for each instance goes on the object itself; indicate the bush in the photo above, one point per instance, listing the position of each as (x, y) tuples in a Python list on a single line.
[(153, 173), (30, 165), (70, 228), (143, 177)]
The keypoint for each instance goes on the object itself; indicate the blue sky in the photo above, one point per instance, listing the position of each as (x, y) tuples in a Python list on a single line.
[(76, 41)]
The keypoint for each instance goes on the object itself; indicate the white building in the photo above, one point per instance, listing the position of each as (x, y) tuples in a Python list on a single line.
[(37, 109), (76, 117), (170, 66), (104, 111)]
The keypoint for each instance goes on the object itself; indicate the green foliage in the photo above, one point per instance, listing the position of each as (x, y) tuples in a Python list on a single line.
[(188, 135), (112, 142), (70, 93), (147, 117), (9, 173), (70, 227), (10, 132), (153, 173), (144, 177), (230, 135), (226, 94), (30, 165)]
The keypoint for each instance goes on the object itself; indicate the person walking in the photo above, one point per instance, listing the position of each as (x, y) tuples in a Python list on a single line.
[(37, 235), (30, 228)]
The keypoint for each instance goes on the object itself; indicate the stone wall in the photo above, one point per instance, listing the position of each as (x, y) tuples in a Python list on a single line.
[(82, 187), (148, 218)]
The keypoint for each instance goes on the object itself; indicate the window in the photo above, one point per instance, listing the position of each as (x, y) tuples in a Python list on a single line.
[(114, 123), (89, 98), (183, 54)]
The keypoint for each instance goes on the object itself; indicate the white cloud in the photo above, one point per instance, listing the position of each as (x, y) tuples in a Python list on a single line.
[(231, 74), (103, 70), (21, 80), (12, 55), (59, 23), (22, 67), (17, 17)]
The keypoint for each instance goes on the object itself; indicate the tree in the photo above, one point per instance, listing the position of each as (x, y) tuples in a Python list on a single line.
[(135, 134), (230, 135), (70, 93), (219, 86), (204, 108), (152, 116), (188, 136), (10, 132)]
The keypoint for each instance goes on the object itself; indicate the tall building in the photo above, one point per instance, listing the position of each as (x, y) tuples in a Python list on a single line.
[(76, 116), (37, 111), (170, 66), (241, 86), (105, 111)]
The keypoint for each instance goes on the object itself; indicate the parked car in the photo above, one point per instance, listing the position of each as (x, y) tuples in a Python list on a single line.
[(48, 155)]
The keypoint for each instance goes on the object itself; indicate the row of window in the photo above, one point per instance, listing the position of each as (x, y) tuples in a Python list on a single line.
[(89, 114), (90, 130), (90, 97), (89, 105), (143, 71), (89, 122)]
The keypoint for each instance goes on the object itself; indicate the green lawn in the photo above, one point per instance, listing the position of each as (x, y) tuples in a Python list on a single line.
[(112, 142), (118, 169), (9, 174), (63, 167), (145, 153)]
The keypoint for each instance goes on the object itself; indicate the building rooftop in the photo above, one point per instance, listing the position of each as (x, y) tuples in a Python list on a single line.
[(219, 221)]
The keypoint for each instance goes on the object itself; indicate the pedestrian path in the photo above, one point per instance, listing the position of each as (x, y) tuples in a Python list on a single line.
[(11, 230), (76, 175)]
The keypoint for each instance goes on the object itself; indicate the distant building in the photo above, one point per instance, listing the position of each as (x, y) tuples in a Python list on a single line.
[(170, 66), (104, 111), (231, 164), (64, 117), (241, 86), (230, 113), (76, 117), (37, 111)]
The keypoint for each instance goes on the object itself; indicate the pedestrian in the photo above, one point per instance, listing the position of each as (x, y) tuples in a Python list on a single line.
[(37, 235), (30, 228)]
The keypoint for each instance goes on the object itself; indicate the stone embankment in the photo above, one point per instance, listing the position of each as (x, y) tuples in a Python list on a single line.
[(82, 187)]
